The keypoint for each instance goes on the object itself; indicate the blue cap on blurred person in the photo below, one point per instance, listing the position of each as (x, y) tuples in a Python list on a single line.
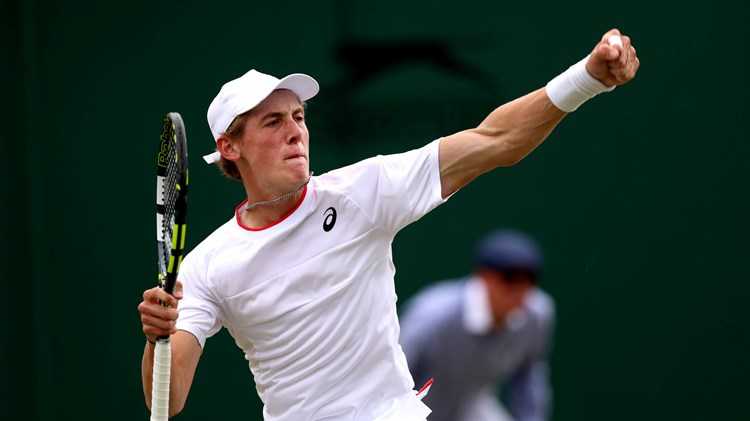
[(507, 250)]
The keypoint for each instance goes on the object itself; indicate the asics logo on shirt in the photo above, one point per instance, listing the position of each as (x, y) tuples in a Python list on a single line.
[(330, 219)]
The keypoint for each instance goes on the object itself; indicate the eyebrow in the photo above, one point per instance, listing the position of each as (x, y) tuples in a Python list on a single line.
[(276, 114)]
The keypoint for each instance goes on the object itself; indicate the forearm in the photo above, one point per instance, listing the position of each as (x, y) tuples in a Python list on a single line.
[(176, 398), (515, 129), (184, 363)]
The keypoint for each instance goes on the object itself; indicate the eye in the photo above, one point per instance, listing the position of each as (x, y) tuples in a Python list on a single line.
[(272, 123)]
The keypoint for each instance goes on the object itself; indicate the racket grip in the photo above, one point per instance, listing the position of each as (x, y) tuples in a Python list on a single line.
[(161, 377)]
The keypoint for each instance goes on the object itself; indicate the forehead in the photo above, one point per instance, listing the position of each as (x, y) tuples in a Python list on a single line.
[(280, 100)]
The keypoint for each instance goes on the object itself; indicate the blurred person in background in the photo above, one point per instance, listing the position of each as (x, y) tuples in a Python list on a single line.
[(486, 332)]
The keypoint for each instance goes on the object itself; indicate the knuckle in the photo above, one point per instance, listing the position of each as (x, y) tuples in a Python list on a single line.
[(169, 313)]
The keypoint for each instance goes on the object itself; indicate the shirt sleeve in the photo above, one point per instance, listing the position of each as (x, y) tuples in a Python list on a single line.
[(409, 185), (198, 312), (395, 190)]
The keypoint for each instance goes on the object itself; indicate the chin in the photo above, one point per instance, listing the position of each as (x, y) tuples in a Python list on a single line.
[(301, 174)]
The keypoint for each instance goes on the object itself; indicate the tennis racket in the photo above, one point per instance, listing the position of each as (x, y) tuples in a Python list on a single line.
[(171, 208)]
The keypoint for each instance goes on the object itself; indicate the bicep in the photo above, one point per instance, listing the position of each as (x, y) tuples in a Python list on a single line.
[(505, 137), (462, 159)]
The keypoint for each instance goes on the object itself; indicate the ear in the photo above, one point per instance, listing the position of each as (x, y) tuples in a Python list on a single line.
[(227, 149)]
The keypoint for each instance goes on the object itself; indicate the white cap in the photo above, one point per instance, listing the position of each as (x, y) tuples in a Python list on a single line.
[(245, 93)]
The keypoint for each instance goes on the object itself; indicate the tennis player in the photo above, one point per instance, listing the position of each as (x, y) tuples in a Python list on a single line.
[(301, 275)]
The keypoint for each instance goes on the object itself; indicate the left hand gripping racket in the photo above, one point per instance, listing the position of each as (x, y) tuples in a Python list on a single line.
[(171, 209)]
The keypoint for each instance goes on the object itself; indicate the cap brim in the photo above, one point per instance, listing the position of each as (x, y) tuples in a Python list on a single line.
[(212, 157), (301, 84)]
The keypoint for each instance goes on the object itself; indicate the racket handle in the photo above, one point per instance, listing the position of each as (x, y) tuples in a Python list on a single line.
[(161, 376)]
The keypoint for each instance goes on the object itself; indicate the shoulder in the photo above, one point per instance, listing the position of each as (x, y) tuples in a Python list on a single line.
[(392, 190), (217, 237), (541, 305), (201, 254), (375, 167)]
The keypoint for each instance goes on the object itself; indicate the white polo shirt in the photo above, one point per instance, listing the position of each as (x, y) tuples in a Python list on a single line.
[(311, 299)]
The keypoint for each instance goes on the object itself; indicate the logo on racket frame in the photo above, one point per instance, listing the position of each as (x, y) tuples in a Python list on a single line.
[(167, 135)]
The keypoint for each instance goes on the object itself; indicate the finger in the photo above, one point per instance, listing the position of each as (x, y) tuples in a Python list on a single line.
[(152, 331), (625, 68), (608, 46), (633, 69), (158, 295), (606, 52), (626, 73), (627, 51), (157, 319), (157, 326), (626, 41), (177, 291), (158, 311)]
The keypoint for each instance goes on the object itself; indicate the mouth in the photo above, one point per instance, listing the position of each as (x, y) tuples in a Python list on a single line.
[(295, 156)]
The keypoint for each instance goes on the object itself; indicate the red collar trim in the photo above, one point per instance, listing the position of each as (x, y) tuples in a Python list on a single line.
[(291, 211)]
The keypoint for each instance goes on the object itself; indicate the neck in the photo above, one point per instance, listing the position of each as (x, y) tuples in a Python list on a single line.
[(265, 213), (280, 198)]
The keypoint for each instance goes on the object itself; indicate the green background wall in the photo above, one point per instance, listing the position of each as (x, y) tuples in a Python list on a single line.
[(640, 198)]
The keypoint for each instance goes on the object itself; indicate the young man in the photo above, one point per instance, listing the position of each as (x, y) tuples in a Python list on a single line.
[(302, 275), (491, 329)]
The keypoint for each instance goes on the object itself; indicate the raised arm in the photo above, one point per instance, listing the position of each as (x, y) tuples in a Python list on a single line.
[(515, 129), (158, 320)]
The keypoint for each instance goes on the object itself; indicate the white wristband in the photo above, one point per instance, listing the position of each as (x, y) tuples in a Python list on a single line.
[(574, 86)]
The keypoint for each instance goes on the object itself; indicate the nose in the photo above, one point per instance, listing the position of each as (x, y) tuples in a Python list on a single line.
[(294, 132)]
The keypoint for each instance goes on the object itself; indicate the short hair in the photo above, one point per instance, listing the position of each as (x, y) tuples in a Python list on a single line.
[(234, 132)]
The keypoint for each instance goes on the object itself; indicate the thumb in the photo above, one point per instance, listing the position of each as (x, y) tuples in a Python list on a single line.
[(606, 51)]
